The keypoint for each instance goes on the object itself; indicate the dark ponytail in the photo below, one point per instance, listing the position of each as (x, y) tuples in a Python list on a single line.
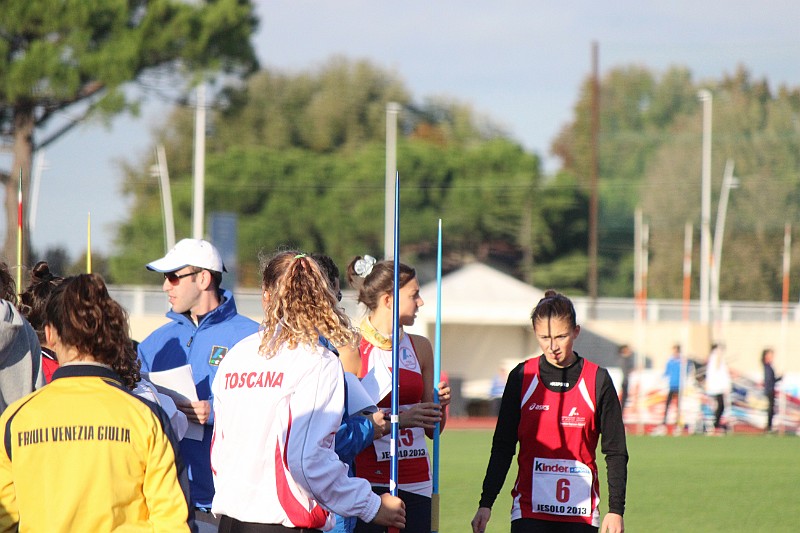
[(86, 318), (554, 305)]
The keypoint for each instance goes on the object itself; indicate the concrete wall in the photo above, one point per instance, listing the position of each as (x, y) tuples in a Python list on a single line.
[(476, 351)]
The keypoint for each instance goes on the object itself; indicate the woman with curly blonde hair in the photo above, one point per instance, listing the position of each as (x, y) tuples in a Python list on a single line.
[(278, 402), (297, 307)]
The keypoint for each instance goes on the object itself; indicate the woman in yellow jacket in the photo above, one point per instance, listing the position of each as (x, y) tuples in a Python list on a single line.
[(83, 453)]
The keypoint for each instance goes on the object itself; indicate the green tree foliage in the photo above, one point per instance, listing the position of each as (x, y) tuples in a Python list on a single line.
[(650, 156), (343, 105), (61, 62), (301, 159), (759, 131), (636, 108), (562, 238)]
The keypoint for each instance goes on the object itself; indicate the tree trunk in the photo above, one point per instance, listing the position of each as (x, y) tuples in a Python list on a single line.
[(21, 166)]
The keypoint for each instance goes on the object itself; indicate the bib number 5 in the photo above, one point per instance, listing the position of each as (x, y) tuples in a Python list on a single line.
[(408, 445)]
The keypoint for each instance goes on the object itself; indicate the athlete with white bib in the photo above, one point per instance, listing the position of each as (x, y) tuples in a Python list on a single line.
[(373, 364), (557, 406)]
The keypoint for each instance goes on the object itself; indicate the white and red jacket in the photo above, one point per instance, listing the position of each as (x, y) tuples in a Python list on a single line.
[(272, 454)]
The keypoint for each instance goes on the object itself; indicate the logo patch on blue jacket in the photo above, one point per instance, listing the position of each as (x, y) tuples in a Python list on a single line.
[(217, 355)]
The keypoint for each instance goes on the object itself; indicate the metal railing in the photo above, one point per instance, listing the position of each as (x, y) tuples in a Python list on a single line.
[(148, 300), (145, 300)]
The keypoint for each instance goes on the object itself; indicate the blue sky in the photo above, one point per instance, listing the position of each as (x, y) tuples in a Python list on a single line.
[(518, 61)]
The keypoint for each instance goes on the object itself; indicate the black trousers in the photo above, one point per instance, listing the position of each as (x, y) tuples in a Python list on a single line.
[(231, 525), (718, 412), (418, 514), (770, 409), (672, 394), (533, 525)]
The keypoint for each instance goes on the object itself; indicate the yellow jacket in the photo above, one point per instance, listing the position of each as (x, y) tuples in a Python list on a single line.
[(84, 454)]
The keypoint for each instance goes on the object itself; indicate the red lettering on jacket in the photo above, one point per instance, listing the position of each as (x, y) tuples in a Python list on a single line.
[(250, 380)]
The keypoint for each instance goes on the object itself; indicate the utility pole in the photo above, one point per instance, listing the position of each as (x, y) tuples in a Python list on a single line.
[(687, 274), (594, 178), (198, 209), (166, 197), (392, 110), (728, 182), (705, 209)]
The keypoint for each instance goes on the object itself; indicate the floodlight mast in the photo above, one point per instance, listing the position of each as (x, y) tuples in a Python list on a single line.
[(705, 209), (392, 110), (728, 182)]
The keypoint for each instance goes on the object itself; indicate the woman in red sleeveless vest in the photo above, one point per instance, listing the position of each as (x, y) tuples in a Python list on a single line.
[(557, 406), (374, 281)]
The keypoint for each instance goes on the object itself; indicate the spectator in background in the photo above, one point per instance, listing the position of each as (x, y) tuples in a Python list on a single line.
[(20, 352), (626, 363), (496, 390), (673, 375), (770, 380), (718, 383), (34, 301)]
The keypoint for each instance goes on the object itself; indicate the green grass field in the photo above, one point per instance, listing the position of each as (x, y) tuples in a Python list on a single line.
[(675, 484)]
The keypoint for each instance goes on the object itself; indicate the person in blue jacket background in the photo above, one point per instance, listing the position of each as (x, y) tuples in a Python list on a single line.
[(361, 422), (673, 374)]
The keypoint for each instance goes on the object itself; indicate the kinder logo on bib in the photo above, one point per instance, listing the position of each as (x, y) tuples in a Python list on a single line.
[(407, 359)]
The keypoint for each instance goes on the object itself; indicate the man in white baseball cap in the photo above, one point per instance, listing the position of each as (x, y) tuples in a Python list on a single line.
[(203, 325), (190, 252)]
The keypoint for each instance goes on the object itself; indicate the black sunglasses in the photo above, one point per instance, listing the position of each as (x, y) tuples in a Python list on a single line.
[(174, 278)]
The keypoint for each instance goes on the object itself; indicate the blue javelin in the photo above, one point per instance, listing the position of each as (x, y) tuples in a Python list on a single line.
[(393, 473)]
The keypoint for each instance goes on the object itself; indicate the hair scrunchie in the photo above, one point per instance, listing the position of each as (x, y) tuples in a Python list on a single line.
[(363, 266)]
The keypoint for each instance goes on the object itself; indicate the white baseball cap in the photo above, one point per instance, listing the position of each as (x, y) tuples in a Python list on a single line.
[(189, 252)]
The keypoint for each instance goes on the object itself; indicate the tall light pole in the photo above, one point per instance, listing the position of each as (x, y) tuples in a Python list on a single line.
[(39, 166), (392, 110), (705, 211), (198, 191), (594, 201), (162, 171), (728, 182)]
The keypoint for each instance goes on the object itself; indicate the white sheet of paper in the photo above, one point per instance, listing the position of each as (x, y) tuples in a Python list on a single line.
[(358, 400), (178, 384), (378, 381)]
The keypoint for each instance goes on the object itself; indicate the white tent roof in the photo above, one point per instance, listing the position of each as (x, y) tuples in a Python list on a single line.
[(479, 294)]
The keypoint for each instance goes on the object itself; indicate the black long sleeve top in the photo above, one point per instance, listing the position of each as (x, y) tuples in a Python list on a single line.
[(770, 379), (609, 420)]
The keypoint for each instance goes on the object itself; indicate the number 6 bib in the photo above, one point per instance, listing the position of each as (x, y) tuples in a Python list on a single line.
[(561, 487)]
